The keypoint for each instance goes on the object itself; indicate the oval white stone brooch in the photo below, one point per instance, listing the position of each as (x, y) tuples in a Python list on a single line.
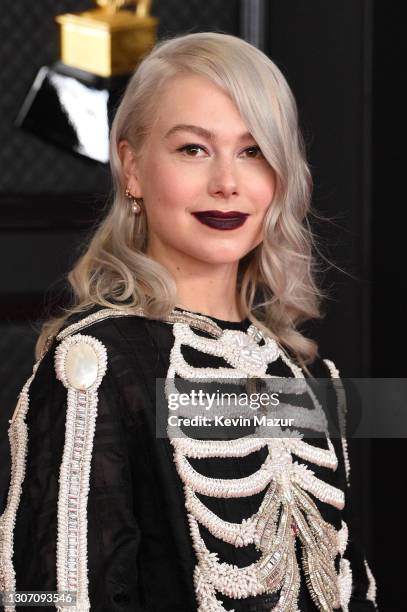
[(80, 362)]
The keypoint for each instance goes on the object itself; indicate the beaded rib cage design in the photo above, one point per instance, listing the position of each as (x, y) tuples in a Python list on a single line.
[(287, 513)]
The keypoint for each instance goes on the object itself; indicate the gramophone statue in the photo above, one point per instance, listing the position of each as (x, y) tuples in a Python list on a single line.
[(71, 102)]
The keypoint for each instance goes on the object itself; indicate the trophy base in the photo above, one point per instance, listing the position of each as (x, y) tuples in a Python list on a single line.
[(105, 43), (72, 109)]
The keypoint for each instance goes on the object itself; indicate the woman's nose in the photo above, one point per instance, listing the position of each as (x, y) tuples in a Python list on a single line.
[(223, 180)]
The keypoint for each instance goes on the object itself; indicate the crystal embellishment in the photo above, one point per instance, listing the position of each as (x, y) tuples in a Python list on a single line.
[(80, 364), (242, 351)]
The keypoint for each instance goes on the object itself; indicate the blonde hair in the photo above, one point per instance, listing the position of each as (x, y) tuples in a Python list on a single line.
[(277, 280)]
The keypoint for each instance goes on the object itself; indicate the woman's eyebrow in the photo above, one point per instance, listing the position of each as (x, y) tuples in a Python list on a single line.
[(196, 129)]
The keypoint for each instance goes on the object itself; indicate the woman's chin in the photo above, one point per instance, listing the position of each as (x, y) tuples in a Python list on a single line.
[(218, 258)]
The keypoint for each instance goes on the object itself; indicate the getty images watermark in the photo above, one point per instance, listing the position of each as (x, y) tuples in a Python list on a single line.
[(213, 408), (278, 406), (210, 402)]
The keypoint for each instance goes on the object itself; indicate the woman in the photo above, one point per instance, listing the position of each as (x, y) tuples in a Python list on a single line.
[(202, 267)]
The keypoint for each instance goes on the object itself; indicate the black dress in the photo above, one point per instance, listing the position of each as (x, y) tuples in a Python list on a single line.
[(137, 553)]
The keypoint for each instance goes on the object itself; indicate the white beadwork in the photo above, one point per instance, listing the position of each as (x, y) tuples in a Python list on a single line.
[(228, 487), (242, 351), (343, 535), (198, 449), (371, 591), (18, 438), (233, 346), (240, 447), (345, 583), (319, 456), (100, 315), (228, 579), (341, 408), (72, 567), (285, 482), (321, 490)]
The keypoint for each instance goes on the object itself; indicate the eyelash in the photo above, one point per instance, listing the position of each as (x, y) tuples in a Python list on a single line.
[(196, 146)]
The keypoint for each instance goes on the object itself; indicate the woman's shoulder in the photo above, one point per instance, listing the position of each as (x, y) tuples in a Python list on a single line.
[(113, 334), (94, 345), (101, 322)]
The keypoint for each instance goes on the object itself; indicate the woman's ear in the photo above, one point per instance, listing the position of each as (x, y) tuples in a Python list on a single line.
[(130, 168)]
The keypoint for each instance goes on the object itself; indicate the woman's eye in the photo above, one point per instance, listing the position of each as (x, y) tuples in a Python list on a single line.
[(253, 152), (256, 150), (190, 147)]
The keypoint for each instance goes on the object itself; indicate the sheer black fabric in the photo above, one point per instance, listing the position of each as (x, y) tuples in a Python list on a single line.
[(140, 554)]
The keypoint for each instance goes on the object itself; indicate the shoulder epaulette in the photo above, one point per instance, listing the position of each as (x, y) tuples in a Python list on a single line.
[(80, 364), (100, 315)]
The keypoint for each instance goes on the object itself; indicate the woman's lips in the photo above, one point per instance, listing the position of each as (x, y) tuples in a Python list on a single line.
[(222, 221)]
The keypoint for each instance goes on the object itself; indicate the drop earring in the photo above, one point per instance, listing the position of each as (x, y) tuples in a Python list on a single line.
[(135, 205)]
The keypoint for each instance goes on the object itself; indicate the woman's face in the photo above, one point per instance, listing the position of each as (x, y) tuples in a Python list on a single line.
[(211, 165)]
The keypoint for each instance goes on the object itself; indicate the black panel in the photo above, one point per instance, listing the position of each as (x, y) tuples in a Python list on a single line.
[(389, 303), (323, 50)]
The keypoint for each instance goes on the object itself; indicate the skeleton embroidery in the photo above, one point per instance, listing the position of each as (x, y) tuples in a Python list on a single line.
[(287, 513)]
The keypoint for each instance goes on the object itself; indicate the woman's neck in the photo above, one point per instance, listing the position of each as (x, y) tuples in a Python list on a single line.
[(216, 312)]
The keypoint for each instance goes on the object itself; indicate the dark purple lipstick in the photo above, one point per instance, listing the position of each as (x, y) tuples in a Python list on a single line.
[(221, 220)]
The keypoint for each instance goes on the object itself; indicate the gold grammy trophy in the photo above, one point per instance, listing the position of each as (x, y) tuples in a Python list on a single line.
[(108, 40), (72, 102)]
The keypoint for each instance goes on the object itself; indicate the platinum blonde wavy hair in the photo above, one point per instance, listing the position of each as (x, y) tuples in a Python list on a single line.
[(277, 287)]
